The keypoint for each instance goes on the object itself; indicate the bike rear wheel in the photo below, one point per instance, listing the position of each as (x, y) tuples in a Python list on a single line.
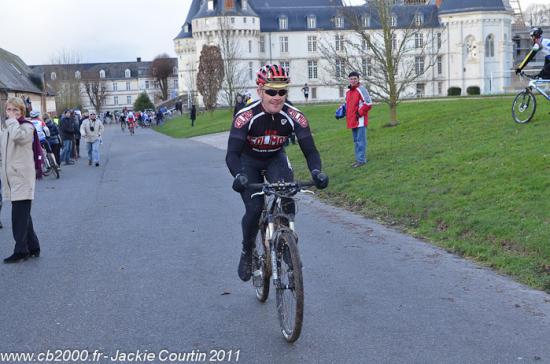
[(261, 268), (290, 287), (524, 107), (53, 166)]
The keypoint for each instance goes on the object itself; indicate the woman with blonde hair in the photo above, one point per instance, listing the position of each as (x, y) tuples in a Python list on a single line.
[(18, 140)]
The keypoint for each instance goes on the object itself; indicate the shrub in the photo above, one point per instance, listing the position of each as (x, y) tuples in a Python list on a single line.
[(454, 91), (143, 102), (473, 90)]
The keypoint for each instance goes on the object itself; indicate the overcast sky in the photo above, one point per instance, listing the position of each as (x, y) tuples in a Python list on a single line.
[(96, 30)]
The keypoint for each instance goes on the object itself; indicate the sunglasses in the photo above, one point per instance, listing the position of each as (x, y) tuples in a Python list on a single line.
[(271, 92)]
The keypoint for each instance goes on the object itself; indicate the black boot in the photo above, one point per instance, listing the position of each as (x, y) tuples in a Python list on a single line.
[(245, 265), (16, 257)]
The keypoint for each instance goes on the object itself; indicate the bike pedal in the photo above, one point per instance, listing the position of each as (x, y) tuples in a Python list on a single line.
[(257, 278)]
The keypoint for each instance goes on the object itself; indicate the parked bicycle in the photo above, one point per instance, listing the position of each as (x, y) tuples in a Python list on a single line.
[(276, 255), (525, 102)]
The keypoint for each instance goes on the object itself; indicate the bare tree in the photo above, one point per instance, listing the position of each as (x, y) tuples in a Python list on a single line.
[(95, 89), (66, 83), (390, 59), (161, 69), (538, 15), (235, 72), (210, 75)]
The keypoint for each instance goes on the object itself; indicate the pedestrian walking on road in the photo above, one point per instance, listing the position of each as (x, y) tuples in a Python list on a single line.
[(67, 134), (193, 114), (53, 139), (18, 145), (91, 130)]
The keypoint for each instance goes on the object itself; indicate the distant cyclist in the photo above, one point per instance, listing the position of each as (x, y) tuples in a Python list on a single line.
[(539, 44), (255, 144)]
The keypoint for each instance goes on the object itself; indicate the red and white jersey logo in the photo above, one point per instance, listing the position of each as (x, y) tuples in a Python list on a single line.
[(298, 117), (243, 119)]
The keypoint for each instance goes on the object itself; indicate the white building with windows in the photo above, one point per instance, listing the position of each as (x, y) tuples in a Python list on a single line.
[(473, 37), (123, 81)]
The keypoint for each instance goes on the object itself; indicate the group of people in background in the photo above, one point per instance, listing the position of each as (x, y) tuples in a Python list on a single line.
[(23, 141)]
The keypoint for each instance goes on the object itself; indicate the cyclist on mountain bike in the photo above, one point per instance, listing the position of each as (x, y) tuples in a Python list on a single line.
[(255, 144), (539, 44)]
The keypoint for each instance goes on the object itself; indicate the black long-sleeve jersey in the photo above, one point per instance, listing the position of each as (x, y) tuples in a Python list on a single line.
[(262, 135)]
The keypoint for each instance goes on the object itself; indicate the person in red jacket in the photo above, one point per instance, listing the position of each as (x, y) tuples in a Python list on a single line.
[(358, 104)]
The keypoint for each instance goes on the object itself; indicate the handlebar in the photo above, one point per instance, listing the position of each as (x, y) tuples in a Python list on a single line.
[(280, 185), (281, 189)]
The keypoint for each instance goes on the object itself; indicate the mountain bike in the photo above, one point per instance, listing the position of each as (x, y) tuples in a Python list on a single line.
[(525, 102), (50, 164), (276, 255)]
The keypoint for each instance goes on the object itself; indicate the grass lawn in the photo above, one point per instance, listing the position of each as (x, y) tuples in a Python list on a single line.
[(460, 174)]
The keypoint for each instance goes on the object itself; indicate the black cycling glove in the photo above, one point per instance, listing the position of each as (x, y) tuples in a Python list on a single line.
[(320, 179), (240, 183)]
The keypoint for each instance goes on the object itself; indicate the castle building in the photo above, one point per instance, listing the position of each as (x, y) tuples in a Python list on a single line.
[(474, 37)]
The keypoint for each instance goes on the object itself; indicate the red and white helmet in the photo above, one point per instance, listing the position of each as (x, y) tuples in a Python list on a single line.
[(273, 76)]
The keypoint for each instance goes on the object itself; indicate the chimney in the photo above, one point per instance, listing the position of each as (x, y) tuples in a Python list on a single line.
[(139, 59), (438, 3)]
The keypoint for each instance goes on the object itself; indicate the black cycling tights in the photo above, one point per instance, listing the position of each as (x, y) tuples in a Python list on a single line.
[(277, 169)]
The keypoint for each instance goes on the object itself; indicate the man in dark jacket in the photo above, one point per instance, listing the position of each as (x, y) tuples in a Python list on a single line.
[(193, 114), (67, 133), (53, 139)]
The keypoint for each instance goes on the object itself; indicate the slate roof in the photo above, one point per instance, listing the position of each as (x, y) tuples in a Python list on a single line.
[(113, 70), (456, 6), (297, 12), (15, 75)]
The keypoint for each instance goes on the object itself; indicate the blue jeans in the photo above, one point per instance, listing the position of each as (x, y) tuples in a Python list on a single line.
[(360, 143), (93, 151), (66, 153)]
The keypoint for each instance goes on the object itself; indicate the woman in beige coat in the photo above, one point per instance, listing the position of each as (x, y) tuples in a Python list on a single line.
[(18, 175)]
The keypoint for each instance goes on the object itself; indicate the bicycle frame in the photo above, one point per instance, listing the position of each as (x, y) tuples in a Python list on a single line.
[(534, 84), (272, 212)]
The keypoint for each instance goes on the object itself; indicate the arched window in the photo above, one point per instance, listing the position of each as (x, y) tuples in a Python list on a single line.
[(53, 76), (283, 22), (127, 73), (311, 22), (77, 75), (490, 46), (394, 20), (101, 74), (418, 19)]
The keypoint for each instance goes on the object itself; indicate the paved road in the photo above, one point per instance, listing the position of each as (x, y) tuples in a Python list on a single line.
[(141, 254)]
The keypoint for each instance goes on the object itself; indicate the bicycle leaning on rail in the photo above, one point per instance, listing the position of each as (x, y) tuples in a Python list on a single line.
[(276, 255), (525, 102)]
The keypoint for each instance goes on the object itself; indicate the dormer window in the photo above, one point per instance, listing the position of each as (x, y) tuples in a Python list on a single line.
[(186, 28), (175, 70), (283, 22), (53, 76), (210, 5), (311, 22), (366, 21), (127, 73), (394, 20), (418, 19), (101, 74), (77, 75), (339, 22), (245, 4)]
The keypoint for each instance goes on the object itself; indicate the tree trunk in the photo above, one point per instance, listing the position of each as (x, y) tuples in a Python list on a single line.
[(393, 114)]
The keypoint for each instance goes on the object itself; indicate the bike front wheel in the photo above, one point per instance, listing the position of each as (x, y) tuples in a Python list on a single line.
[(290, 286), (261, 268), (524, 107)]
